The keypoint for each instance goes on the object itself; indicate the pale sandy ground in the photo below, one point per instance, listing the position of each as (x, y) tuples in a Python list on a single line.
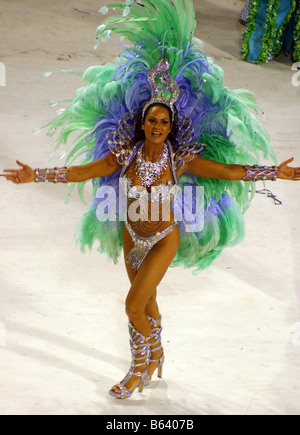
[(231, 334)]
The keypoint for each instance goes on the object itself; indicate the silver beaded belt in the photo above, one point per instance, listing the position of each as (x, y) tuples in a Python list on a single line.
[(143, 245)]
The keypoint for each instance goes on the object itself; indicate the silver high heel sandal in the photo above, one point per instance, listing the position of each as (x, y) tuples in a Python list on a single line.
[(138, 345), (155, 339)]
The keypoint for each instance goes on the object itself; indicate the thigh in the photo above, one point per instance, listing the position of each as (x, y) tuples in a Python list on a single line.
[(127, 246), (151, 307), (153, 269)]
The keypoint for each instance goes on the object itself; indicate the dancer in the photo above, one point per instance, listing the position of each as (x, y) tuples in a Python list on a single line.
[(273, 26), (155, 122)]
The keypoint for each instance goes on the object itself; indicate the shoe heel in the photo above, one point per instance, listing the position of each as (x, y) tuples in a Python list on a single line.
[(159, 371), (141, 387)]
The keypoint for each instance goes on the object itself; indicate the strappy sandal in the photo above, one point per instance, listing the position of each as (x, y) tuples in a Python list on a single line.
[(139, 345)]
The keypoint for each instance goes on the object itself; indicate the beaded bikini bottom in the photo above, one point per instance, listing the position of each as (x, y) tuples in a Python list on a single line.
[(143, 245)]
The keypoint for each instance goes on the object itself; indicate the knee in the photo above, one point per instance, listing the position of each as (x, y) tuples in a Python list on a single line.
[(134, 309), (151, 302)]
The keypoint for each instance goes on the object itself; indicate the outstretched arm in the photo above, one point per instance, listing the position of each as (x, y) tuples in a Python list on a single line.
[(211, 169), (100, 168)]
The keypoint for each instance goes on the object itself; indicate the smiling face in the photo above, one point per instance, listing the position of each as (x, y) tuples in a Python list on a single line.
[(157, 124)]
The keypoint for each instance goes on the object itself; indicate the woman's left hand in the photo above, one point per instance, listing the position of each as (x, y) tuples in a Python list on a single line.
[(286, 172)]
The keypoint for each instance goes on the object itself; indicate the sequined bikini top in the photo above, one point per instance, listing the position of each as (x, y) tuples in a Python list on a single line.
[(160, 193)]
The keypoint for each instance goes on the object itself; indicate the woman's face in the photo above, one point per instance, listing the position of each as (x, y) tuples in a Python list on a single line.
[(157, 125)]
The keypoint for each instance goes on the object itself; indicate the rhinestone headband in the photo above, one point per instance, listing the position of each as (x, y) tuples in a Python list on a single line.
[(167, 91)]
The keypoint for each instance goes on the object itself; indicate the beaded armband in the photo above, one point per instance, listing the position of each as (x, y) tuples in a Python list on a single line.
[(55, 175), (256, 173)]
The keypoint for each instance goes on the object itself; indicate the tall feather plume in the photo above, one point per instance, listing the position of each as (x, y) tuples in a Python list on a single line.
[(225, 120)]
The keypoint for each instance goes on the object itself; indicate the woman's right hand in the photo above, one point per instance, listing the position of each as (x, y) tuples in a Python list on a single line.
[(19, 176)]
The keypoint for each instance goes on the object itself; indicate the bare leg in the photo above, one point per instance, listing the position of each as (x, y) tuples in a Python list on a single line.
[(141, 299), (152, 309)]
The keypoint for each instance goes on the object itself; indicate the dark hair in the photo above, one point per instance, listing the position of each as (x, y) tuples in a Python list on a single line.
[(139, 133)]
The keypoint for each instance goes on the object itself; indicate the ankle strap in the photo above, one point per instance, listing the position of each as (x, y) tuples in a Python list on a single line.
[(154, 322), (139, 344), (155, 332)]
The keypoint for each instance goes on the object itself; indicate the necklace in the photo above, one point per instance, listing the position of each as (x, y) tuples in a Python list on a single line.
[(149, 172)]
